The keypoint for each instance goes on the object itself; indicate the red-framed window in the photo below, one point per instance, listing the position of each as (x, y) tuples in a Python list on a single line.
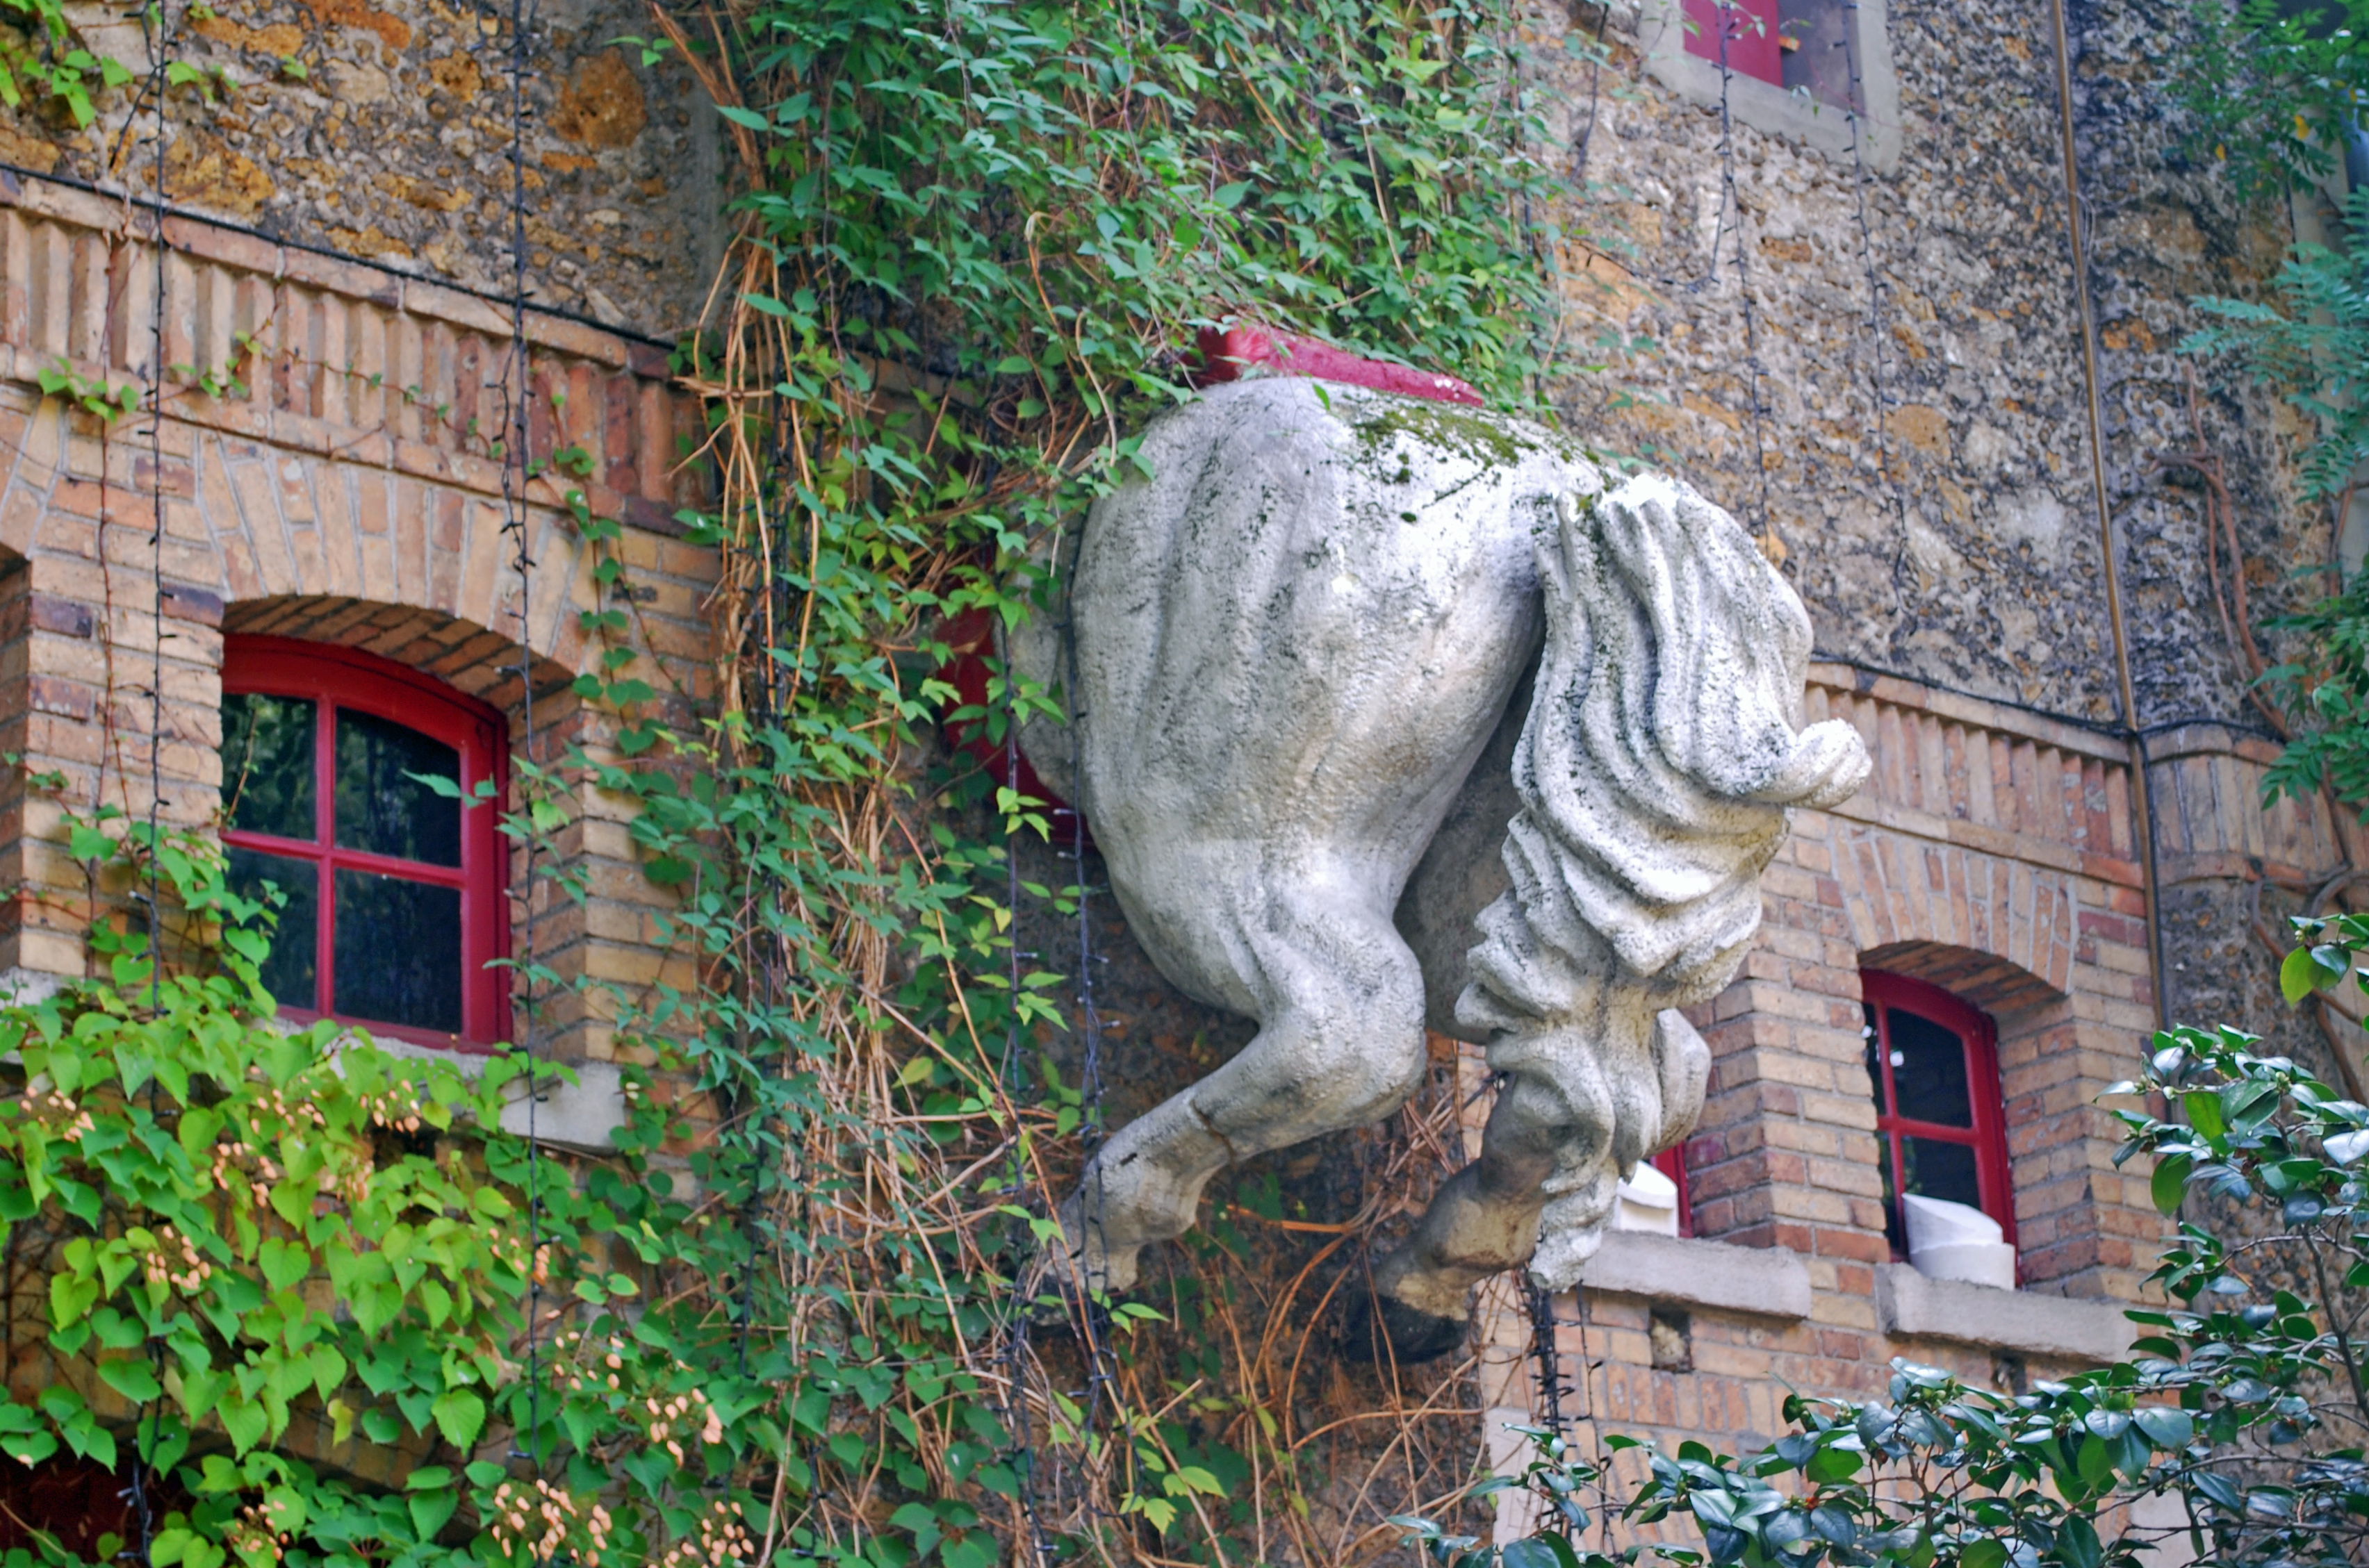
[(1749, 30), (1799, 45), (395, 917), (1934, 1062)]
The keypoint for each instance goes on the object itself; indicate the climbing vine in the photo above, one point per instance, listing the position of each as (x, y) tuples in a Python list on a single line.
[(979, 244), (2271, 96), (794, 1313)]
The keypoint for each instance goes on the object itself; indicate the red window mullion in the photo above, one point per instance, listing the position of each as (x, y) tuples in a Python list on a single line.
[(324, 824), (1937, 1132), (1887, 1122), (351, 859), (1672, 1162)]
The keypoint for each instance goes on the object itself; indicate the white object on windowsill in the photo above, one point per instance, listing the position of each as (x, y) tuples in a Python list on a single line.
[(1955, 1240), (1648, 1200)]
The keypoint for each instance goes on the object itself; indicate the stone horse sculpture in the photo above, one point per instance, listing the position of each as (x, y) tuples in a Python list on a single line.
[(1300, 659)]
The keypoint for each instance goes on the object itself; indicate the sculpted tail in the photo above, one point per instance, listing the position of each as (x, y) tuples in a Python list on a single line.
[(1655, 770)]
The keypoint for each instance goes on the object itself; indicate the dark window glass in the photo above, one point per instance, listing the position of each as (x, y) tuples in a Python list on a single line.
[(267, 763), (1815, 50), (382, 810), (288, 973), (398, 951), (1941, 1169), (1893, 1231), (1928, 1071)]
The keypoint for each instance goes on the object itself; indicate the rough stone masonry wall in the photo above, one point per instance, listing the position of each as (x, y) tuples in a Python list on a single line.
[(1919, 323), (383, 132)]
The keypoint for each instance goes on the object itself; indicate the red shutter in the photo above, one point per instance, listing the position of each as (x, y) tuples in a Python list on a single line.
[(1672, 1162), (1751, 27)]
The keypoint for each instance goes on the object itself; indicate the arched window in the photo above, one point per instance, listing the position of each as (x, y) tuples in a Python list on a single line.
[(1934, 1062), (395, 904)]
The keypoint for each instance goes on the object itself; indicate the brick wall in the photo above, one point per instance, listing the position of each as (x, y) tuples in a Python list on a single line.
[(346, 495), (1994, 853)]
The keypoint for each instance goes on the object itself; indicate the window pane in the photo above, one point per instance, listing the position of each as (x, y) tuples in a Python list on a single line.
[(1893, 1230), (288, 973), (1815, 51), (399, 949), (1929, 1073), (1941, 1169), (381, 810), (267, 763)]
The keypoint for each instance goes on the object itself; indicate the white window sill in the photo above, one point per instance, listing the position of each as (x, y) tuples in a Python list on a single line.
[(1770, 1282), (583, 1116), (1910, 1306)]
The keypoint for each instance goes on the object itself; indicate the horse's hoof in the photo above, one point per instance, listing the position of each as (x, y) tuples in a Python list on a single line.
[(1383, 1328)]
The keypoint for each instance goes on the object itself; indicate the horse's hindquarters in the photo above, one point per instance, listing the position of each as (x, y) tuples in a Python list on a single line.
[(1296, 638)]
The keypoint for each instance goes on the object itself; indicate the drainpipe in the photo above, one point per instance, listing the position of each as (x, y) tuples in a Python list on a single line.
[(2142, 816)]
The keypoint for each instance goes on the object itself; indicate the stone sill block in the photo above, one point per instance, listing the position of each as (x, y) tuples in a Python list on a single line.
[(1771, 1282), (582, 1117), (2066, 1328)]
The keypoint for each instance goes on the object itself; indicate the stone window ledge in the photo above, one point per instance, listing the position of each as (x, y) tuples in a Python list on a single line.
[(2059, 1327), (1771, 1282), (583, 1116)]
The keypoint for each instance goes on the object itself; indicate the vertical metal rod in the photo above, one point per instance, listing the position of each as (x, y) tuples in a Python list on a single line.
[(2143, 823), (518, 389), (159, 79), (1734, 205)]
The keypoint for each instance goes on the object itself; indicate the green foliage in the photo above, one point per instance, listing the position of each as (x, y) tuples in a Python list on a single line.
[(258, 1244), (238, 1221), (2271, 92), (2307, 343), (2243, 1404), (2271, 89), (107, 403), (1047, 197), (1567, 1489), (43, 63)]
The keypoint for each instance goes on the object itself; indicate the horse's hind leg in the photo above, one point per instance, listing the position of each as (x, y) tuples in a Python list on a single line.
[(1340, 1044), (1582, 1101)]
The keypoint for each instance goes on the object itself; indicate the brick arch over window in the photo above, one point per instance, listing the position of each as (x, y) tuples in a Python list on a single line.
[(478, 661), (2050, 940), (2027, 920)]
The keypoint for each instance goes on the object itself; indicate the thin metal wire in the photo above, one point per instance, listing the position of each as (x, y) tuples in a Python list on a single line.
[(1879, 365), (1017, 1420), (1731, 210), (517, 396), (1546, 1352), (158, 22), (1101, 1357), (1594, 75)]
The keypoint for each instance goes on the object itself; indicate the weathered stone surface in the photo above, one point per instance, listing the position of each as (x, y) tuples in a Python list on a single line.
[(384, 132), (1293, 643), (1912, 1307)]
